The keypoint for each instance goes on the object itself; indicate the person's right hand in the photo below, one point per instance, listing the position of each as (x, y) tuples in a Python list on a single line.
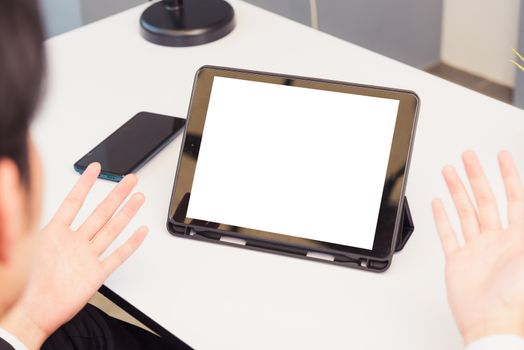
[(68, 268), (485, 276)]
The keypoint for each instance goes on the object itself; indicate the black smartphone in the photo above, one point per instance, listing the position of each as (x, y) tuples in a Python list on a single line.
[(132, 145)]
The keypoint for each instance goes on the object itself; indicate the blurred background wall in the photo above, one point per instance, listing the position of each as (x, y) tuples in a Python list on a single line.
[(466, 41), (478, 36), (61, 15)]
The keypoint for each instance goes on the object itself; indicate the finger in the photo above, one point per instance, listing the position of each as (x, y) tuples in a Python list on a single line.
[(107, 208), (514, 189), (465, 209), (75, 199), (115, 226), (113, 261), (489, 218), (447, 235)]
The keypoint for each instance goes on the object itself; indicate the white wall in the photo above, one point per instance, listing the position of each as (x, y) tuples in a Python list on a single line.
[(478, 36)]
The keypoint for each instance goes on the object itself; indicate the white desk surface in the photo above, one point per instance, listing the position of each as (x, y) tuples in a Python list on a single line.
[(216, 297)]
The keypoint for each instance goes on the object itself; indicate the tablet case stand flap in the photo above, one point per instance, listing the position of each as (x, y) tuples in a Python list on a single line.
[(406, 227)]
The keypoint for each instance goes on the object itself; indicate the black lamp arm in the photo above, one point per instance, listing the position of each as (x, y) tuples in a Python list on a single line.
[(174, 4)]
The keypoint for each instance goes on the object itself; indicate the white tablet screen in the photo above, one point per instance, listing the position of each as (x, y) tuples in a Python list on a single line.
[(295, 161)]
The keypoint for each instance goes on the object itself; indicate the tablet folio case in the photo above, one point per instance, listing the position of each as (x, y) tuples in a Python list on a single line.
[(398, 231)]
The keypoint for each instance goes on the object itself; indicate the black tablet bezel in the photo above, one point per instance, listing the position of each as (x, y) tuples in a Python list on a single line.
[(393, 191)]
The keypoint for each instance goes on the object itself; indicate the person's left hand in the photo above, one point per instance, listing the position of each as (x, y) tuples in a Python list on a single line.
[(68, 269), (485, 274)]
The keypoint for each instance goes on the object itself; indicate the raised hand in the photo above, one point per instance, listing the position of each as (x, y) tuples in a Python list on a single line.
[(485, 275), (68, 268)]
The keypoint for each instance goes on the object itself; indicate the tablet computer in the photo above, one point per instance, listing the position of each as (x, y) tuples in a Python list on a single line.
[(297, 166)]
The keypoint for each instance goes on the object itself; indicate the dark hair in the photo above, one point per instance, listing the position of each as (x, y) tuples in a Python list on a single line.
[(22, 66)]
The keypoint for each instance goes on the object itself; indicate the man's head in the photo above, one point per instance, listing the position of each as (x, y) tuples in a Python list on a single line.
[(21, 72)]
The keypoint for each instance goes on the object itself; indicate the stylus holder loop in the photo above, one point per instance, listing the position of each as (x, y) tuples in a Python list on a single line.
[(406, 228)]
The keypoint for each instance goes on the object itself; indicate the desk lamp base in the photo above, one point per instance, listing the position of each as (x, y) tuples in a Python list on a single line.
[(187, 23)]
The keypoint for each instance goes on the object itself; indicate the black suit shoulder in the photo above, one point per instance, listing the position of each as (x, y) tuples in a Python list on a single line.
[(5, 345)]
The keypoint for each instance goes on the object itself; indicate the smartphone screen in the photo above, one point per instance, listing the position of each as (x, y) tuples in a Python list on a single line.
[(132, 145)]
